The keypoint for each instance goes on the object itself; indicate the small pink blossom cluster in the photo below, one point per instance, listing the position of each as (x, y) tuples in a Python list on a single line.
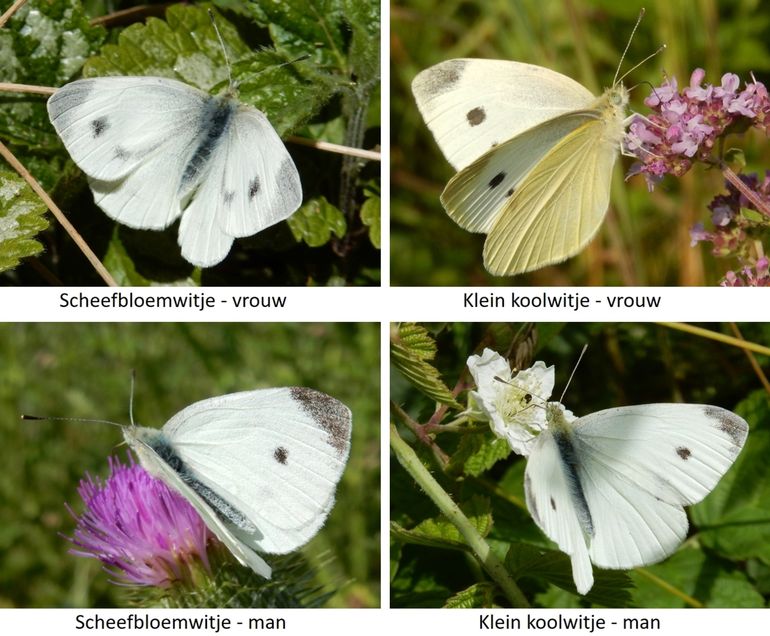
[(684, 126), (736, 231), (757, 276)]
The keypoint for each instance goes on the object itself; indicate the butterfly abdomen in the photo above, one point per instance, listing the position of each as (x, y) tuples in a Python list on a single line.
[(216, 117)]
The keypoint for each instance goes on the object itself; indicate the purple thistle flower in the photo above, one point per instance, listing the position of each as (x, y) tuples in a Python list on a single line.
[(140, 529), (684, 126)]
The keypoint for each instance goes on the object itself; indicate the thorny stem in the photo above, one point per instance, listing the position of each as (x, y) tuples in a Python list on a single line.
[(480, 548)]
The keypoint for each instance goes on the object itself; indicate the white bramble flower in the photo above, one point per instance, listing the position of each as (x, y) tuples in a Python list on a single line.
[(513, 402)]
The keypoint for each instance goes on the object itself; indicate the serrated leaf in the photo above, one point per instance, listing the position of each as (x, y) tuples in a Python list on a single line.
[(44, 43), (184, 46), (22, 217), (477, 595), (370, 217), (316, 221), (439, 532), (409, 350), (476, 454)]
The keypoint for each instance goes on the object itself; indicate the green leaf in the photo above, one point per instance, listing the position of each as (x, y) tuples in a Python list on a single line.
[(21, 219), (477, 595), (370, 217), (184, 46), (611, 587), (119, 264), (411, 346), (439, 532), (733, 520), (689, 572), (316, 221), (44, 43), (477, 453)]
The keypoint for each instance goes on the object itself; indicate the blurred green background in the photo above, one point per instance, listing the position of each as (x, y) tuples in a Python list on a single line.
[(83, 370), (645, 237), (726, 560)]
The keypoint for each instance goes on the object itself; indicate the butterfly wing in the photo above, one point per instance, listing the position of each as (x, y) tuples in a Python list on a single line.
[(476, 196), (141, 442), (274, 455), (472, 105), (560, 204), (555, 504), (132, 136), (640, 464), (251, 183)]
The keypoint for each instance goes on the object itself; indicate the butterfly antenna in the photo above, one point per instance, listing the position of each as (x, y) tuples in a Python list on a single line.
[(224, 50), (131, 398), (580, 357), (69, 419)]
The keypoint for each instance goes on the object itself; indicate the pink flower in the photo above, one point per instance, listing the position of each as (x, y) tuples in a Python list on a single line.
[(684, 127), (140, 529)]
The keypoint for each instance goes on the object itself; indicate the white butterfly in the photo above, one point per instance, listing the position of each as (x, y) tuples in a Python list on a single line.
[(609, 488), (260, 467), (534, 151), (155, 149)]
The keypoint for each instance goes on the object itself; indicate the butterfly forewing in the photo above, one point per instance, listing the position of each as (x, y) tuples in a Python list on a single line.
[(472, 105), (292, 443)]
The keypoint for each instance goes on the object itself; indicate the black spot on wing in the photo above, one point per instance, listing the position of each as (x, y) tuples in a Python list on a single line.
[(254, 187), (730, 424), (121, 153), (99, 126), (684, 452), (329, 414), (442, 78), (476, 116), (228, 197), (280, 455), (496, 180), (509, 193), (553, 504)]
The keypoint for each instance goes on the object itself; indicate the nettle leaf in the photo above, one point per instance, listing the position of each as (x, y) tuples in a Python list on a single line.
[(477, 453), (316, 221), (44, 43), (439, 532), (298, 27), (22, 216), (281, 92), (184, 46), (477, 595), (410, 349), (370, 216)]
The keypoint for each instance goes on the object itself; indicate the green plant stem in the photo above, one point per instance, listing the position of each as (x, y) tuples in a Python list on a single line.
[(481, 549), (719, 337)]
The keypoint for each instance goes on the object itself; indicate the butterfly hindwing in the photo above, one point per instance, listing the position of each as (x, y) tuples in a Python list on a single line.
[(558, 207), (476, 197), (551, 501), (238, 198)]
